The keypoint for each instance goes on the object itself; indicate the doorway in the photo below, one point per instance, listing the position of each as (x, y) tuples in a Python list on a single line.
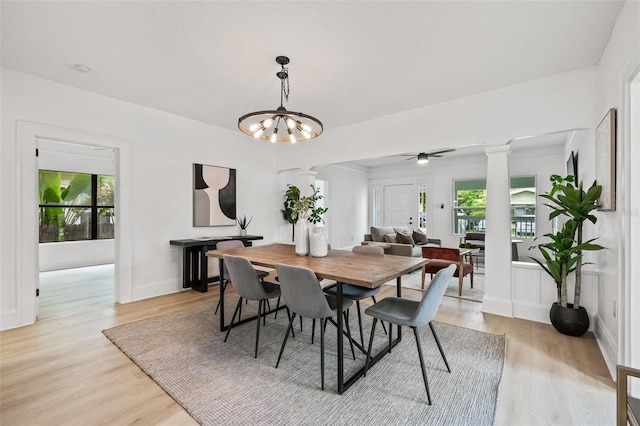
[(76, 215), (26, 248), (399, 205)]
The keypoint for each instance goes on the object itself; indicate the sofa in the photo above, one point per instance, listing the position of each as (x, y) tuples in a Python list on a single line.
[(401, 240)]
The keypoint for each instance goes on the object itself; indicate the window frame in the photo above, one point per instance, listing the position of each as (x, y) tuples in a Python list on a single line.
[(482, 185), (94, 207)]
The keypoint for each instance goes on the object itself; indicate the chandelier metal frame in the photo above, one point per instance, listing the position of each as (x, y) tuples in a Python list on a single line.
[(281, 125)]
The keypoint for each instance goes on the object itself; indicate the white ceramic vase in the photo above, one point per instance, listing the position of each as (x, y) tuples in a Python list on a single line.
[(318, 242), (302, 238)]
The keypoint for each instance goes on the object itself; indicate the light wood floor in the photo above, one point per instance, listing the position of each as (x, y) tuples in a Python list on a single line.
[(62, 370)]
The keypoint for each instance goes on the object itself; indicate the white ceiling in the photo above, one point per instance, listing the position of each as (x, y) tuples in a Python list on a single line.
[(350, 61)]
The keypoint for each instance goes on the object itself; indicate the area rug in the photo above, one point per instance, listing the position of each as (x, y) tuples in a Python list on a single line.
[(221, 383), (475, 294)]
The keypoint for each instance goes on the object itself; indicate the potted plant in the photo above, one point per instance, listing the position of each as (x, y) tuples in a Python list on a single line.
[(243, 223), (563, 254), (300, 210)]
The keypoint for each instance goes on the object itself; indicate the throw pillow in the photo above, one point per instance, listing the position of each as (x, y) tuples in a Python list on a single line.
[(378, 232), (390, 238), (419, 237), (405, 238)]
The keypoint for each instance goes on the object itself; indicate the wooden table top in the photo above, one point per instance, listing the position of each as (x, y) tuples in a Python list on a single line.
[(364, 270)]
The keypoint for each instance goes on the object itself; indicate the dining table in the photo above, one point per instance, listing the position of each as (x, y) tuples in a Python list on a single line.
[(342, 266)]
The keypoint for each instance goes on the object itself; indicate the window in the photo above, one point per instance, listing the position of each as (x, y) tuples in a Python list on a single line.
[(422, 207), (470, 200), (376, 207), (75, 206)]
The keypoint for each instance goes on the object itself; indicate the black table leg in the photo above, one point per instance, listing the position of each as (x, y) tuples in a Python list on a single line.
[(399, 293), (340, 339), (222, 288), (186, 267)]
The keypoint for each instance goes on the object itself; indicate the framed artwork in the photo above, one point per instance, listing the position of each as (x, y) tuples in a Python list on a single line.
[(606, 160), (214, 195)]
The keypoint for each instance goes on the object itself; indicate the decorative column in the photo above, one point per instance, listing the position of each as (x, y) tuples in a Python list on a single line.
[(497, 293)]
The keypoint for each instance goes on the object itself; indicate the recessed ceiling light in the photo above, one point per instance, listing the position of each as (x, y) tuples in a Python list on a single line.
[(80, 68)]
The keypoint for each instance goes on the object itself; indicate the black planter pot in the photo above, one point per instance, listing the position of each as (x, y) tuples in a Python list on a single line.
[(569, 321)]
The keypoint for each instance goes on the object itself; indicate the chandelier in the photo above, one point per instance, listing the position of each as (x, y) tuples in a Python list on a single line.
[(280, 125)]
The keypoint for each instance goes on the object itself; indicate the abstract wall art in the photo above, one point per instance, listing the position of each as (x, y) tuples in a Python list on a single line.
[(214, 195)]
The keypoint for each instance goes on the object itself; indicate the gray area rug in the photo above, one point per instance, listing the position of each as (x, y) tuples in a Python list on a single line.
[(221, 383), (474, 294)]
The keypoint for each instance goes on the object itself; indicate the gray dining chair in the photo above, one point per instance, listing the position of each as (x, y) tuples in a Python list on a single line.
[(302, 294), (230, 245), (411, 313), (248, 286), (357, 293)]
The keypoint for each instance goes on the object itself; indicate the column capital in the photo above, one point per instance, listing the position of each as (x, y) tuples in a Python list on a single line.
[(497, 149)]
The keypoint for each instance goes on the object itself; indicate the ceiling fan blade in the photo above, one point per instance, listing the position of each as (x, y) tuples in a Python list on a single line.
[(435, 153)]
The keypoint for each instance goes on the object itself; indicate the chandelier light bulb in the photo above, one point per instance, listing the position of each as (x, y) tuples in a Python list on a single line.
[(254, 127), (274, 136), (305, 134), (267, 123), (290, 123)]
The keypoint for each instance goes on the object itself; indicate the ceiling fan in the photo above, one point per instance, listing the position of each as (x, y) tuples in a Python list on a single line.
[(423, 157)]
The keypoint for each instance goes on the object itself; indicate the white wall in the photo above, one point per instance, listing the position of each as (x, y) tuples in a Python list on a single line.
[(348, 204), (163, 148), (618, 61), (556, 103)]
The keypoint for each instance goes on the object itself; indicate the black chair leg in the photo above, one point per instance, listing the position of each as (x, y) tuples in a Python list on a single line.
[(277, 307), (293, 334), (300, 323), (286, 336), (233, 318), (435, 335), (424, 371), (313, 330), (346, 321), (240, 313), (260, 303), (373, 330), (381, 322), (390, 336), (322, 356)]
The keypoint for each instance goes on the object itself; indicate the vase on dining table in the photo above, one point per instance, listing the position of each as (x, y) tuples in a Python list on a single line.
[(302, 237), (318, 242)]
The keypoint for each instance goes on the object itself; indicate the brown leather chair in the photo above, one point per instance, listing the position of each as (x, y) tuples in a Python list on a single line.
[(441, 257)]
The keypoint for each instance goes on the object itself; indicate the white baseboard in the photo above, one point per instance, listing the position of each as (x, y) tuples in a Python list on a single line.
[(158, 288), (532, 312), (10, 319), (607, 345), (502, 307), (540, 313)]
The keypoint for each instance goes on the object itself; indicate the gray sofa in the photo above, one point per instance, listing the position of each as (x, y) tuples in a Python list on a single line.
[(378, 233)]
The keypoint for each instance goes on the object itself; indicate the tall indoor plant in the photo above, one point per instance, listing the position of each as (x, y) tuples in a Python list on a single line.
[(300, 210), (563, 254)]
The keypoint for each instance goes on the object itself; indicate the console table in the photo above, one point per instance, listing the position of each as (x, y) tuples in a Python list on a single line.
[(195, 262)]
